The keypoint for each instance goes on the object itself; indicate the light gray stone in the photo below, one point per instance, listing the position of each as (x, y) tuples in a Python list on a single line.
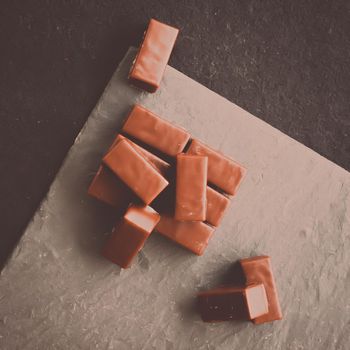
[(56, 292)]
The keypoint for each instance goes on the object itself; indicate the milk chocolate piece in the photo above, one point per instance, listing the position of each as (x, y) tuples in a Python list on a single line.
[(232, 303), (150, 63), (108, 188), (192, 235), (155, 131), (191, 187), (258, 270), (223, 172), (217, 204), (130, 234), (133, 169), (161, 165)]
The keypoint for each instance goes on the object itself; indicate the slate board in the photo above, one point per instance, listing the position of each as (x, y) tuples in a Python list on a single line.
[(56, 292)]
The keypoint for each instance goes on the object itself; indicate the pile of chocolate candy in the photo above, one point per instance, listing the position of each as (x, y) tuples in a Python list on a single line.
[(160, 179), (171, 194)]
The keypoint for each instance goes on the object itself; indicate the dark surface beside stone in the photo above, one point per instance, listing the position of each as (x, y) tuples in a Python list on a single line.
[(286, 62)]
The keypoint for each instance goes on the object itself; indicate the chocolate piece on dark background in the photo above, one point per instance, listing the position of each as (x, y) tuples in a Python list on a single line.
[(153, 55), (79, 44)]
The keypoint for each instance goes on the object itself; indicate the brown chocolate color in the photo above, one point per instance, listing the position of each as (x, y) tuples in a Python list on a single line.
[(130, 234), (108, 188), (161, 165), (192, 235), (232, 303), (217, 204), (148, 69), (156, 132), (135, 171), (191, 187), (223, 172), (258, 270)]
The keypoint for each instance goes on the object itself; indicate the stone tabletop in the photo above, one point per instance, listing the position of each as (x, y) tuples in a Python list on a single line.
[(57, 292)]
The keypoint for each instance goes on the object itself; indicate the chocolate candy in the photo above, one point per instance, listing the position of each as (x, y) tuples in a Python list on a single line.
[(192, 235), (223, 172), (130, 234), (109, 189), (161, 165), (191, 188), (154, 131), (217, 204), (258, 270), (232, 303), (135, 171), (148, 69)]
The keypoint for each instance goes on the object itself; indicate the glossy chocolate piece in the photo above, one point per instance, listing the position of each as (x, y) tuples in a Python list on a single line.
[(258, 270), (192, 235), (130, 234), (161, 165), (232, 303), (156, 132), (153, 56), (217, 204), (108, 188), (223, 172), (135, 171), (191, 187)]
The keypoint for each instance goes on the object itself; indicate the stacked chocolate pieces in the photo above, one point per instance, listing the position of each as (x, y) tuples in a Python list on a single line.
[(257, 300), (158, 178)]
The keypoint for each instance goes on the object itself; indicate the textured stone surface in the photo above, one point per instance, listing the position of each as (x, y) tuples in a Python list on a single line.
[(58, 293), (284, 61)]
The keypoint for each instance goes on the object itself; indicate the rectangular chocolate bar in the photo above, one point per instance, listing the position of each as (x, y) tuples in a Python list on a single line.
[(192, 235), (191, 187), (108, 188), (223, 172), (232, 303), (161, 165), (137, 173), (217, 204), (130, 234), (156, 132), (153, 56), (258, 270)]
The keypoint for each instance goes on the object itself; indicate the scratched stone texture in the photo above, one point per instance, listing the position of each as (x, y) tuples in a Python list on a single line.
[(56, 292), (285, 61)]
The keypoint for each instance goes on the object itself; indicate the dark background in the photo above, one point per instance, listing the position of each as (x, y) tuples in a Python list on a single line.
[(287, 62)]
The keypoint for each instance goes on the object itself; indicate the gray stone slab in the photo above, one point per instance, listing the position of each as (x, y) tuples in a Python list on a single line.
[(56, 292)]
